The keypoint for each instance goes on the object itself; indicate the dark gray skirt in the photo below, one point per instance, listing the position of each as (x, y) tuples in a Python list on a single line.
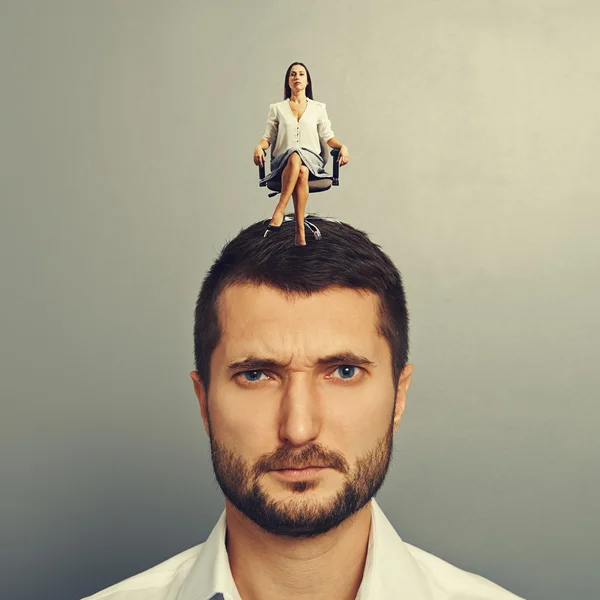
[(312, 160)]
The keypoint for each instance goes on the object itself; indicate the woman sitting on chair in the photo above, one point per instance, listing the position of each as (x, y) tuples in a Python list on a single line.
[(296, 126)]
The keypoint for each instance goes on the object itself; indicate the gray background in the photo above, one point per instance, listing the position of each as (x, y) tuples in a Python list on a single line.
[(126, 141)]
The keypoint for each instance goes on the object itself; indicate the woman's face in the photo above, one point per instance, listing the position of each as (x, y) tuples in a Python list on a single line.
[(298, 79)]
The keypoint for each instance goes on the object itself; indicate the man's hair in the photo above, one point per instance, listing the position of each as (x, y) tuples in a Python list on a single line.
[(345, 257)]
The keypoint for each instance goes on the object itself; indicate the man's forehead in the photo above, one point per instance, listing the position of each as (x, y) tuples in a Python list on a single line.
[(240, 299), (263, 319)]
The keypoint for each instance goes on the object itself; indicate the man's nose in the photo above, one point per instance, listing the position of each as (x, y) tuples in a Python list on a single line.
[(300, 411)]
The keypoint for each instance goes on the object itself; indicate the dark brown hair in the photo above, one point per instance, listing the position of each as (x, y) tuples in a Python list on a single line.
[(344, 257)]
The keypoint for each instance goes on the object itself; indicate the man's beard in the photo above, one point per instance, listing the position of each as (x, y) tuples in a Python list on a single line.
[(304, 518)]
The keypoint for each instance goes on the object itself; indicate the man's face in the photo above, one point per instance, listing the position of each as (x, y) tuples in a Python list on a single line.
[(301, 406)]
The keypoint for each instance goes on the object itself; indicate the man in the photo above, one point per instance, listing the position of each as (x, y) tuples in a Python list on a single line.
[(302, 375)]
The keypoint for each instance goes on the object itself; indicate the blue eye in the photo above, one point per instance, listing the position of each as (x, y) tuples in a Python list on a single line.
[(346, 371), (252, 375)]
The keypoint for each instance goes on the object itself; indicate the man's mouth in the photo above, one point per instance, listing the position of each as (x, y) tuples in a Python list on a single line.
[(305, 473), (301, 467)]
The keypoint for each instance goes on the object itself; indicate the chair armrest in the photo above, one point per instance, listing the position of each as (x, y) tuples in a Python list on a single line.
[(261, 171), (336, 166)]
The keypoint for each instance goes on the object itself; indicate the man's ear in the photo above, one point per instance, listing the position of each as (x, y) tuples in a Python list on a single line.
[(401, 391), (200, 392)]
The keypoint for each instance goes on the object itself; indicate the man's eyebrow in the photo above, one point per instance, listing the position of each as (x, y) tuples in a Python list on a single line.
[(255, 363), (346, 358)]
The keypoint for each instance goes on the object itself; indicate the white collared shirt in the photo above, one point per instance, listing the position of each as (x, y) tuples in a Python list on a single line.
[(285, 131), (393, 570)]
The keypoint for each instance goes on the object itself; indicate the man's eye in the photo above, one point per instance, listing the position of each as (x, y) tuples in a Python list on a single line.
[(345, 372), (252, 375)]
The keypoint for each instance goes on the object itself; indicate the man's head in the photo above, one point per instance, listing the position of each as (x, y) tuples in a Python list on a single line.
[(301, 374)]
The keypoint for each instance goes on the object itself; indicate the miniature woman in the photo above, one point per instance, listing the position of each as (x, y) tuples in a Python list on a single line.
[(296, 126)]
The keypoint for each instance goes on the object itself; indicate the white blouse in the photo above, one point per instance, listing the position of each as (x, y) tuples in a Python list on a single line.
[(286, 131)]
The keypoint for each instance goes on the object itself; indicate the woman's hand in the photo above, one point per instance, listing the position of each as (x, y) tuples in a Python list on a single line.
[(343, 156), (259, 156)]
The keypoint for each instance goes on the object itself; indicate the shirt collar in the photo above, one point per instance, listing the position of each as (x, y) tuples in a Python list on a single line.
[(390, 570), (211, 573)]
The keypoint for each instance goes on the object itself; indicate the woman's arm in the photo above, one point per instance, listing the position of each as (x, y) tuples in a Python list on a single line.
[(343, 157), (326, 133), (269, 136), (259, 152), (335, 143)]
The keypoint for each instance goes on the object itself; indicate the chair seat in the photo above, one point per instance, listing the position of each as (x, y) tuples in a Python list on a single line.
[(314, 185)]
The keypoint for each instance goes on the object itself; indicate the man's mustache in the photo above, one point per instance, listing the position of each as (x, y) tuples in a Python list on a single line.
[(313, 455)]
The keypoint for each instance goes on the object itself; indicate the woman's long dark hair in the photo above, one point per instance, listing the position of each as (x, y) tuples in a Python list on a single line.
[(287, 91)]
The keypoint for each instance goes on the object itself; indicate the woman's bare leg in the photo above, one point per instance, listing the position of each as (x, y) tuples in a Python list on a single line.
[(300, 200), (289, 177)]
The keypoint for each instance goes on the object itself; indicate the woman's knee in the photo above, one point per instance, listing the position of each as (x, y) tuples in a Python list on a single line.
[(303, 174), (294, 159)]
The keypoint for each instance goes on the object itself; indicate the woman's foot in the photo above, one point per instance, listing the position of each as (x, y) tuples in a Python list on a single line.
[(276, 220), (299, 239), (275, 224), (271, 229)]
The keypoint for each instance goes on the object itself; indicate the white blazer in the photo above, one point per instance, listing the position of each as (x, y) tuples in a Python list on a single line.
[(285, 131)]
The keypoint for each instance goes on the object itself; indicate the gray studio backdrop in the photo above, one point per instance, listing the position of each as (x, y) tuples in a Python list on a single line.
[(126, 156)]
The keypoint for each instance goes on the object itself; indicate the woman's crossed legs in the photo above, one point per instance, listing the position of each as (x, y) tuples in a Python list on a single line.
[(294, 182)]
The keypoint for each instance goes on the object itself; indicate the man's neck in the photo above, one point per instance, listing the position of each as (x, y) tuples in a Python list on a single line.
[(270, 567)]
